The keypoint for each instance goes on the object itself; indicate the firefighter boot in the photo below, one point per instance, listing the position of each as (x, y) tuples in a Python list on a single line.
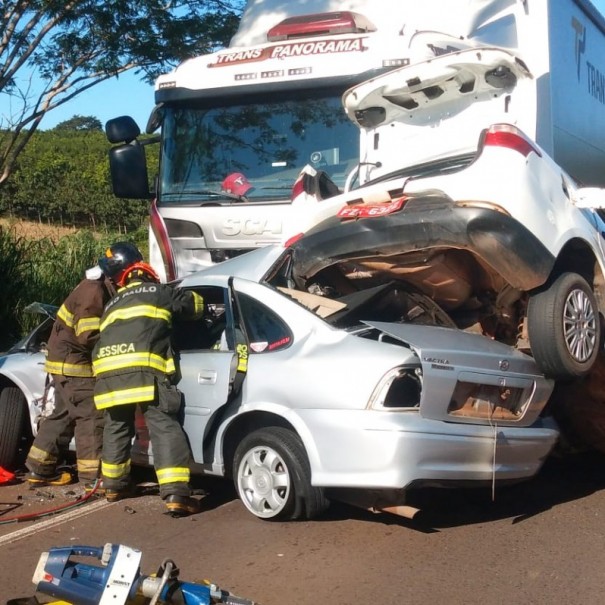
[(181, 506), (63, 477), (113, 495)]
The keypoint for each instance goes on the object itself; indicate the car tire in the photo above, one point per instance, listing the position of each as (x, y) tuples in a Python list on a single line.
[(272, 476), (564, 327), (13, 408)]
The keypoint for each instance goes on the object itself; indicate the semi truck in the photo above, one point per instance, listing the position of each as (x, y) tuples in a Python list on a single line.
[(238, 126)]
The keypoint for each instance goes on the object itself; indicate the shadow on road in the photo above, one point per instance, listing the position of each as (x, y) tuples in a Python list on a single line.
[(560, 480)]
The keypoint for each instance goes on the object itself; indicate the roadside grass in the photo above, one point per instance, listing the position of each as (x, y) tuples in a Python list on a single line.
[(45, 269)]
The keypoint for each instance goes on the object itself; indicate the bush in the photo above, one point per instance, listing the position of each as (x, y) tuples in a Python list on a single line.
[(15, 274), (46, 271)]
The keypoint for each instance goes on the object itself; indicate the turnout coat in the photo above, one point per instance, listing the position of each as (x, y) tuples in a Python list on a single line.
[(134, 347)]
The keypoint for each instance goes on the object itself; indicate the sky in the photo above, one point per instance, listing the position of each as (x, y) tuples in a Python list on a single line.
[(126, 95)]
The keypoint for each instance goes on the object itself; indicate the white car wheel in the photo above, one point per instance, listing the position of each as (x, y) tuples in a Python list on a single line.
[(272, 476)]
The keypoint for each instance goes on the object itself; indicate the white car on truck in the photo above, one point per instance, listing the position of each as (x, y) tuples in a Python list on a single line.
[(495, 231)]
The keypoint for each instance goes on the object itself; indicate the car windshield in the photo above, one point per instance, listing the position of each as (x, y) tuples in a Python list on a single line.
[(259, 148)]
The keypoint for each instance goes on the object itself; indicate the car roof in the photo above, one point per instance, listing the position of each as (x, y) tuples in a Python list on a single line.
[(252, 265)]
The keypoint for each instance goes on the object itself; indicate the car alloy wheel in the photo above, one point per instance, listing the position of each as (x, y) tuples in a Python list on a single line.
[(264, 481), (272, 476), (564, 327)]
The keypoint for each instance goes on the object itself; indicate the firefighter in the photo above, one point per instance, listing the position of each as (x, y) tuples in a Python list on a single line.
[(133, 364), (69, 364)]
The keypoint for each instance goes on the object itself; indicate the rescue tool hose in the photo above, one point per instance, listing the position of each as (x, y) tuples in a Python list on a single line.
[(56, 509)]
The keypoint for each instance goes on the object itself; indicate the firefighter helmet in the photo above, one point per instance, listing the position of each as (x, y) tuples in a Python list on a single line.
[(141, 271), (117, 258)]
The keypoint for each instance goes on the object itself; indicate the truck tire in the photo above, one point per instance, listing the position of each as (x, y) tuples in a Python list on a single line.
[(273, 478), (564, 327), (13, 408)]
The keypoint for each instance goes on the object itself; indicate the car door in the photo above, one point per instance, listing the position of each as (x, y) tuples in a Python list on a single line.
[(206, 365)]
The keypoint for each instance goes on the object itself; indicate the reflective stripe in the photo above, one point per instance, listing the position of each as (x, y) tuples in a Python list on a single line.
[(68, 369), (134, 360), (87, 324), (242, 358), (173, 475), (64, 314), (124, 396), (88, 466), (199, 304), (115, 471), (134, 312), (35, 453)]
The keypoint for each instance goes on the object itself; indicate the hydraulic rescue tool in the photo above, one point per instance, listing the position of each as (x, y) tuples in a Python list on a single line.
[(118, 581)]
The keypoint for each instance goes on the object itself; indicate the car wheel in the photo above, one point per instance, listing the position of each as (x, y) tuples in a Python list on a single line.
[(564, 327), (273, 478), (13, 408)]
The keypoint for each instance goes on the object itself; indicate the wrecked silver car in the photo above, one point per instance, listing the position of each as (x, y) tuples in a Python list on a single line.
[(300, 398)]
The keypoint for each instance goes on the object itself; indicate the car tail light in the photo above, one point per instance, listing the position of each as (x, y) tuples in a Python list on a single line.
[(489, 402), (293, 240), (369, 210), (158, 227), (506, 135), (399, 389), (320, 24)]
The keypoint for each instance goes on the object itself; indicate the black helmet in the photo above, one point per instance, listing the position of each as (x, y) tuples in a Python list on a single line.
[(117, 258)]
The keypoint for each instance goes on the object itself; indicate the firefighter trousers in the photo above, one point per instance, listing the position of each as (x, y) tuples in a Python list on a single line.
[(74, 414), (171, 453)]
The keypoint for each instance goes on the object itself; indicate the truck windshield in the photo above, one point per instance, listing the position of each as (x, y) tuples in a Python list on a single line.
[(207, 151)]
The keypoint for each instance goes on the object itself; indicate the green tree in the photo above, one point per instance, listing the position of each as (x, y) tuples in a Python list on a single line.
[(78, 122), (69, 46), (62, 177)]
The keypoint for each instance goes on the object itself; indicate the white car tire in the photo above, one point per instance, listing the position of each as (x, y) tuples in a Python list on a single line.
[(564, 327), (12, 423), (273, 478)]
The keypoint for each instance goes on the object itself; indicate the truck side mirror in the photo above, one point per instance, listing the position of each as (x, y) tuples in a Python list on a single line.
[(122, 130), (128, 167)]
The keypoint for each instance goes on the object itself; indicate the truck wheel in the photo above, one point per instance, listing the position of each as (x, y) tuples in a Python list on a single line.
[(564, 327), (273, 477), (13, 408)]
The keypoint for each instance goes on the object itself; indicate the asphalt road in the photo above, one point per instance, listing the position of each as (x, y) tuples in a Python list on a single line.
[(539, 542)]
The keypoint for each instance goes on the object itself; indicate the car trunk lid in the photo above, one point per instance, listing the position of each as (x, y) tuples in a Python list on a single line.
[(494, 382)]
